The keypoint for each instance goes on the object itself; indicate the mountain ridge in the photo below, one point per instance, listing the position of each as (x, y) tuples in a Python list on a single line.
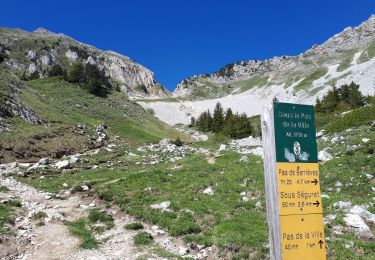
[(38, 51), (349, 38)]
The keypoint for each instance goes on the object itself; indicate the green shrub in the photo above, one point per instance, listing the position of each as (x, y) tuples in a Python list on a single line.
[(97, 215), (39, 215), (134, 226), (151, 111), (56, 71), (143, 238), (82, 53), (40, 224), (79, 228), (178, 142), (142, 88), (106, 195), (4, 189)]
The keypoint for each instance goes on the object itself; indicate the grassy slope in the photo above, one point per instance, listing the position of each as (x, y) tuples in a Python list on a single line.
[(238, 228), (216, 219), (65, 105)]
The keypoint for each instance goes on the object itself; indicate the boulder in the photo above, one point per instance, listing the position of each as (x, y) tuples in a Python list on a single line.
[(33, 167), (45, 60), (91, 60), (358, 225), (324, 156), (342, 205), (31, 55), (99, 129), (244, 159), (365, 140), (71, 55), (64, 164), (222, 147), (163, 206), (44, 161), (208, 191), (245, 199), (32, 68), (75, 158), (85, 187), (165, 142), (320, 133), (363, 213)]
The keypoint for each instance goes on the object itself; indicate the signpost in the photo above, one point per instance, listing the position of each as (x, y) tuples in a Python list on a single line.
[(294, 206)]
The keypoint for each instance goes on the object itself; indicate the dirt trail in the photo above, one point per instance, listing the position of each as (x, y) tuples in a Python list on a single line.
[(53, 240)]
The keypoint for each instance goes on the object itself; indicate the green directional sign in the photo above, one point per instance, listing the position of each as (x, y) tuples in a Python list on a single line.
[(295, 133)]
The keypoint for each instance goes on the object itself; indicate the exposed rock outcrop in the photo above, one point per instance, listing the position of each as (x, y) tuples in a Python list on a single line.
[(49, 49)]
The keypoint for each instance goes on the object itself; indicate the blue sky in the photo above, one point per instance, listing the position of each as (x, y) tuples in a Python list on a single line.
[(177, 39)]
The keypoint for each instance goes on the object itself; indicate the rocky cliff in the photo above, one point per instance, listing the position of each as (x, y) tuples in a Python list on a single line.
[(36, 52), (351, 47)]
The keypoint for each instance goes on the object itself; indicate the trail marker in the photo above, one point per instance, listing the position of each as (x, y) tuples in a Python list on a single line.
[(294, 206)]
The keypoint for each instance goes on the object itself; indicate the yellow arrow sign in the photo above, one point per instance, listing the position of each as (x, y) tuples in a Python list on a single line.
[(301, 213)]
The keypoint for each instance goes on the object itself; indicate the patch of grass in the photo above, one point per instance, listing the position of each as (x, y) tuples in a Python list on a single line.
[(347, 59), (255, 81), (291, 80), (79, 228), (97, 222), (4, 189), (184, 225), (333, 81), (143, 239), (315, 91), (233, 232), (368, 54), (355, 118), (64, 105), (97, 215), (307, 82), (134, 226), (40, 224), (39, 215), (7, 214)]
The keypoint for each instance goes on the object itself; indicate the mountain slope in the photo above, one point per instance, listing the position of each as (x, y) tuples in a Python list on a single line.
[(353, 46), (36, 52), (58, 118), (245, 86)]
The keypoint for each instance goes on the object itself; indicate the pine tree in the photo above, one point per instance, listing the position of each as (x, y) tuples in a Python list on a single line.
[(192, 122), (228, 115), (218, 118), (318, 105), (355, 98), (209, 121)]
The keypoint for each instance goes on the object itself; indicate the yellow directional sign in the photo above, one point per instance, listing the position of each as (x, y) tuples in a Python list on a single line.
[(294, 204), (299, 188), (301, 214), (302, 237)]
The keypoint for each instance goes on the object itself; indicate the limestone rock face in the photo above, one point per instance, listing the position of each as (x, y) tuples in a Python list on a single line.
[(71, 55), (12, 105), (250, 74), (48, 49)]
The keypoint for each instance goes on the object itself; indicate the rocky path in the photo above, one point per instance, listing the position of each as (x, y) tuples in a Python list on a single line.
[(53, 240)]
